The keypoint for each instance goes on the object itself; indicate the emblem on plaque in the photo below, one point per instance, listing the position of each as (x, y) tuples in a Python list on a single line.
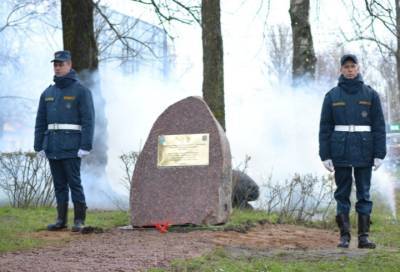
[(161, 139)]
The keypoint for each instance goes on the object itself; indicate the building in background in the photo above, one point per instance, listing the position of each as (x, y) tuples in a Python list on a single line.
[(133, 43)]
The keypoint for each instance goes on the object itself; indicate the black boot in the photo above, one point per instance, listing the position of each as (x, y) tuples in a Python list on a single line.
[(79, 216), (62, 214), (363, 230), (343, 222)]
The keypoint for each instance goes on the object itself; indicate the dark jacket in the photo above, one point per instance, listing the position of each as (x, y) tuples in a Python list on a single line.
[(352, 103), (66, 102)]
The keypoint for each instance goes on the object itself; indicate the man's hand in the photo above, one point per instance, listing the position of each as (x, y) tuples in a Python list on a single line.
[(82, 153), (377, 163), (41, 154), (328, 165)]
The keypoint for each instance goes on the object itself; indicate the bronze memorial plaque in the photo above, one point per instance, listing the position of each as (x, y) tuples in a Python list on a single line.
[(183, 150)]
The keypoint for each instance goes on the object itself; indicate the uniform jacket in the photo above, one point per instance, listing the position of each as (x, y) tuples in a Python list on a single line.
[(352, 103), (65, 102)]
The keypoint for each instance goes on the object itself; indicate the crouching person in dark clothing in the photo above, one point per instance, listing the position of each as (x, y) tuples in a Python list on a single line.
[(352, 140), (64, 134)]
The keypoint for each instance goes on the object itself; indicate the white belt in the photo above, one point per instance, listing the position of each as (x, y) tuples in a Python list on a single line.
[(352, 128), (64, 126)]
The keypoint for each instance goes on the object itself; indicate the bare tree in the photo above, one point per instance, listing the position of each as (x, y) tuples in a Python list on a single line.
[(327, 67), (187, 12), (131, 42), (379, 20), (387, 68), (183, 11), (16, 18), (20, 13), (279, 50), (303, 49), (78, 33), (79, 38), (121, 31), (118, 31), (213, 62)]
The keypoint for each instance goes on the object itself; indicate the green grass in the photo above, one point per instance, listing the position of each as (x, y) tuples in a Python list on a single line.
[(385, 231), (18, 227), (107, 219), (239, 217), (219, 260)]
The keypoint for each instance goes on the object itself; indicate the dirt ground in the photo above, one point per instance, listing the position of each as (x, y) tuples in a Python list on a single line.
[(138, 250)]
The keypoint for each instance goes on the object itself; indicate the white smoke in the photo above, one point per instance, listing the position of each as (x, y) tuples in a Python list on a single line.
[(383, 182), (133, 103)]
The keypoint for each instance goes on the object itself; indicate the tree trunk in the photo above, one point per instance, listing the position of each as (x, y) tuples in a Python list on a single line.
[(394, 99), (78, 33), (303, 50), (79, 38), (213, 59)]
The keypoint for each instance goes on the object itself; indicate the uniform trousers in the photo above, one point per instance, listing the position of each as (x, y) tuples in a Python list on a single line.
[(344, 180), (66, 176)]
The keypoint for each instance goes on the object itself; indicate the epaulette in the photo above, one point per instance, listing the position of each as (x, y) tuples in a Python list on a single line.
[(45, 90), (369, 88), (330, 91)]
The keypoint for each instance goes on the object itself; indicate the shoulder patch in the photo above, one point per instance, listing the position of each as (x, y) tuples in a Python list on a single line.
[(364, 102), (69, 97), (339, 104)]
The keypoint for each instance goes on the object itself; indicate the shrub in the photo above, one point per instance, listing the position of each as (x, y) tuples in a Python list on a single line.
[(26, 180)]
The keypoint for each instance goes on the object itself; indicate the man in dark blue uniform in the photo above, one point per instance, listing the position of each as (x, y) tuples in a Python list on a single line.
[(352, 139), (64, 134)]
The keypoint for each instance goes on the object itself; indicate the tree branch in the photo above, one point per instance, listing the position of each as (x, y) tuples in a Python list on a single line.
[(122, 38), (193, 11), (379, 17)]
